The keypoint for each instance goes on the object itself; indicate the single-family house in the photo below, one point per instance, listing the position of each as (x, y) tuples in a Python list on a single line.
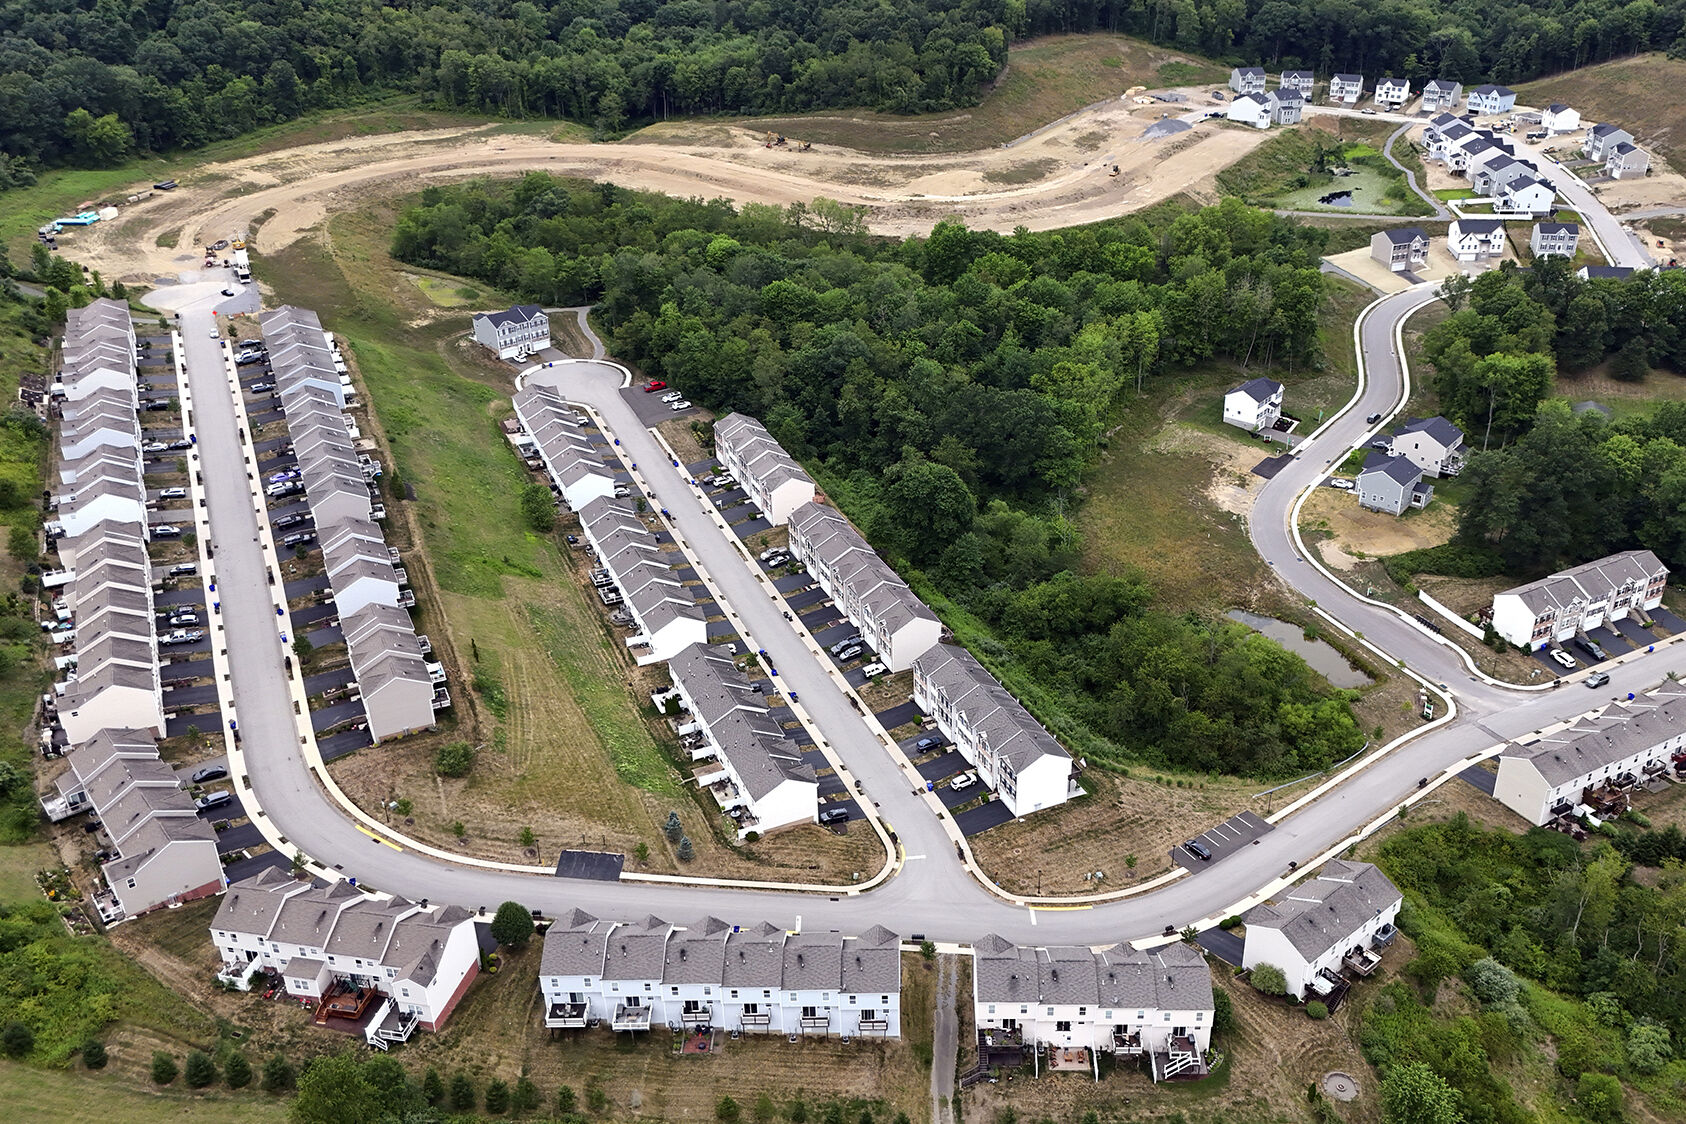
[(1489, 99), (1286, 106), (1302, 80), (1554, 238), (1250, 109), (1526, 195), (1625, 744), (1604, 272), (513, 333), (1626, 161), (1391, 484), (1558, 118), (1476, 239), (775, 482), (758, 776), (1156, 1003), (1347, 88), (1393, 92), (1603, 137), (1434, 445), (1247, 79), (1569, 602), (1341, 918), (892, 620), (1441, 94), (1026, 766), (1254, 405), (1492, 172), (1401, 249)]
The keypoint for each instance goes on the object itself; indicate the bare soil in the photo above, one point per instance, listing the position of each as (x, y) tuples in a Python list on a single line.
[(1358, 533)]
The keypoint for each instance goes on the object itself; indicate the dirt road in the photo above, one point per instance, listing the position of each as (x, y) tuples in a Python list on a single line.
[(1058, 177)]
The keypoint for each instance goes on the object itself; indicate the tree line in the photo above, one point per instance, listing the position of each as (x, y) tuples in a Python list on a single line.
[(1549, 486), (88, 84), (950, 392)]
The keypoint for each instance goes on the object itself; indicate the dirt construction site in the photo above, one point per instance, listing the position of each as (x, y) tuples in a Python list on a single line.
[(1061, 175)]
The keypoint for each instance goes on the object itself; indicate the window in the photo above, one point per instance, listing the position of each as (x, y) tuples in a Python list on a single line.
[(405, 992), (673, 990), (131, 883), (1050, 1010), (992, 1008), (1062, 1027), (769, 995), (1082, 1011), (751, 1008), (885, 999), (734, 993), (810, 1012)]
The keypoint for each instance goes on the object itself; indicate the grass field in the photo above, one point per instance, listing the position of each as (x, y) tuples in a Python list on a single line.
[(1278, 173), (1646, 94), (78, 1095), (1045, 80)]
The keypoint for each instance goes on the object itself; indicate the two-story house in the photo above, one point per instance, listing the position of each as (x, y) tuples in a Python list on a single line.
[(1302, 80), (1286, 106), (513, 333), (1555, 608), (1346, 88), (1489, 99), (1254, 405), (1393, 92), (1476, 239), (1559, 238), (1338, 919), (775, 482), (1526, 195), (1250, 109), (1603, 137), (1023, 763), (1626, 162), (1558, 118), (1391, 484), (1401, 249), (1441, 94), (1434, 445), (1247, 79)]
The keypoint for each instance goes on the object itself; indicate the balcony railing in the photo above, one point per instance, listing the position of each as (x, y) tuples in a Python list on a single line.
[(631, 1018), (880, 1025), (1361, 960), (565, 1015), (815, 1022), (755, 1018)]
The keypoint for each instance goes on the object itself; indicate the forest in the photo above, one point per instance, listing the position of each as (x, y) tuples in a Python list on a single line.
[(88, 82), (1565, 952), (1550, 487), (949, 392)]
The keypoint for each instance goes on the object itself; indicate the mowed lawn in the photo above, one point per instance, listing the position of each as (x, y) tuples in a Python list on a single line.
[(78, 1095), (1045, 79)]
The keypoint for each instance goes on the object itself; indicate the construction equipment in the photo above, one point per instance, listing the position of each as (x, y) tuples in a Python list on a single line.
[(1134, 90), (806, 146), (1114, 173), (774, 140)]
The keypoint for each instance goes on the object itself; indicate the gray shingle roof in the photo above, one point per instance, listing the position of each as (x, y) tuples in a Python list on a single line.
[(1436, 427), (813, 961), (1171, 978), (1259, 390), (1323, 913), (1398, 469), (575, 946), (1590, 581), (755, 957), (990, 708), (1615, 733), (519, 314), (1405, 235), (636, 950)]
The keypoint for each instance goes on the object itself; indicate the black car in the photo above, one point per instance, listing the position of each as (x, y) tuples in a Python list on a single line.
[(834, 815), (210, 773), (931, 742), (292, 520), (1591, 648), (1198, 850), (1372, 419)]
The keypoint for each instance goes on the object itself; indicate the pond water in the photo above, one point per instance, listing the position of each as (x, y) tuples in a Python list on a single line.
[(1324, 659), (1336, 199)]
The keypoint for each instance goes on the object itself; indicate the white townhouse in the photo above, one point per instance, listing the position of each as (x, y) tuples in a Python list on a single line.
[(1583, 597), (577, 466), (1286, 106), (1254, 405), (1434, 445), (1302, 80), (360, 572), (1441, 94), (1023, 763), (397, 686), (1625, 744), (514, 333), (893, 622), (1526, 195), (116, 685), (1250, 109), (663, 608), (388, 965), (1626, 162), (1156, 1003), (1490, 99), (771, 476), (1339, 918), (1346, 88), (759, 979), (756, 767), (1247, 79), (1393, 92), (1603, 137), (1476, 239), (1558, 118), (1391, 484), (1401, 249), (1554, 238)]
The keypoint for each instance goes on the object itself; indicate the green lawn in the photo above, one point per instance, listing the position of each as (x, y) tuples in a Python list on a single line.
[(78, 1095)]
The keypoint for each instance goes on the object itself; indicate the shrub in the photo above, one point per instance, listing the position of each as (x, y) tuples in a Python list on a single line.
[(1492, 983), (163, 1068), (525, 1096), (1267, 979), (726, 1111), (673, 828), (1223, 1011), (596, 1098), (566, 1101), (538, 508), (17, 1040), (93, 1054), (686, 851), (1229, 922), (432, 1086), (237, 1071), (1600, 1097), (200, 1069), (1317, 1010), (462, 1092), (512, 925), (278, 1075), (1648, 1047), (454, 760), (497, 1097)]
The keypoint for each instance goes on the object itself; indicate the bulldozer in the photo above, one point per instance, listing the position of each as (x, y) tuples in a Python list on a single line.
[(774, 140)]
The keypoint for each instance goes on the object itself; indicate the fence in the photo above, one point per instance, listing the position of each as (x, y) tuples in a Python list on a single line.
[(1451, 616)]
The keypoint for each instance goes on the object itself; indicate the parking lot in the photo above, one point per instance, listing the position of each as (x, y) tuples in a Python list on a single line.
[(1222, 841)]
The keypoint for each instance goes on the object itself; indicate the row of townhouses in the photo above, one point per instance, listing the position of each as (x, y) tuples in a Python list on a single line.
[(514, 333), (664, 609), (1073, 1000), (771, 476), (1573, 601), (400, 689), (1392, 92), (1626, 744), (557, 434), (158, 851), (380, 965), (100, 526), (634, 975), (1488, 159), (756, 773), (1325, 929)]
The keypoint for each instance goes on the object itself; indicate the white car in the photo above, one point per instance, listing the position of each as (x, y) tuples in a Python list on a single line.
[(964, 780), (873, 669), (215, 334), (1563, 657), (682, 404), (672, 396), (1343, 485)]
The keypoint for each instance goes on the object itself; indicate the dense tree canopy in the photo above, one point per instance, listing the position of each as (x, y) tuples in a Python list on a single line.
[(951, 391)]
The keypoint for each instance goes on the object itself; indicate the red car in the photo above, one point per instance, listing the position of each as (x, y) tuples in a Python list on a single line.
[(654, 385)]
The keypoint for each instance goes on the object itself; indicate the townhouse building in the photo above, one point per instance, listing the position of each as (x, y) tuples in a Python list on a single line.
[(664, 609), (1155, 1005), (513, 333), (893, 622), (394, 678), (1333, 923), (1555, 608), (771, 476), (1023, 763), (579, 469)]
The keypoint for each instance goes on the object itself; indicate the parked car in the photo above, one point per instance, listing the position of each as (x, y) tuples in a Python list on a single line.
[(292, 520), (964, 780), (873, 669), (932, 741), (246, 357), (281, 489), (213, 800), (778, 559), (834, 815), (1198, 850), (210, 773), (183, 618), (622, 491), (166, 531), (182, 443), (1562, 657), (173, 494), (682, 404), (1368, 112), (260, 387), (850, 653), (228, 292), (155, 447), (851, 639), (1590, 646), (181, 569), (1342, 484), (283, 476), (672, 395), (654, 385), (215, 334), (1598, 679), (299, 538), (1381, 446)]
